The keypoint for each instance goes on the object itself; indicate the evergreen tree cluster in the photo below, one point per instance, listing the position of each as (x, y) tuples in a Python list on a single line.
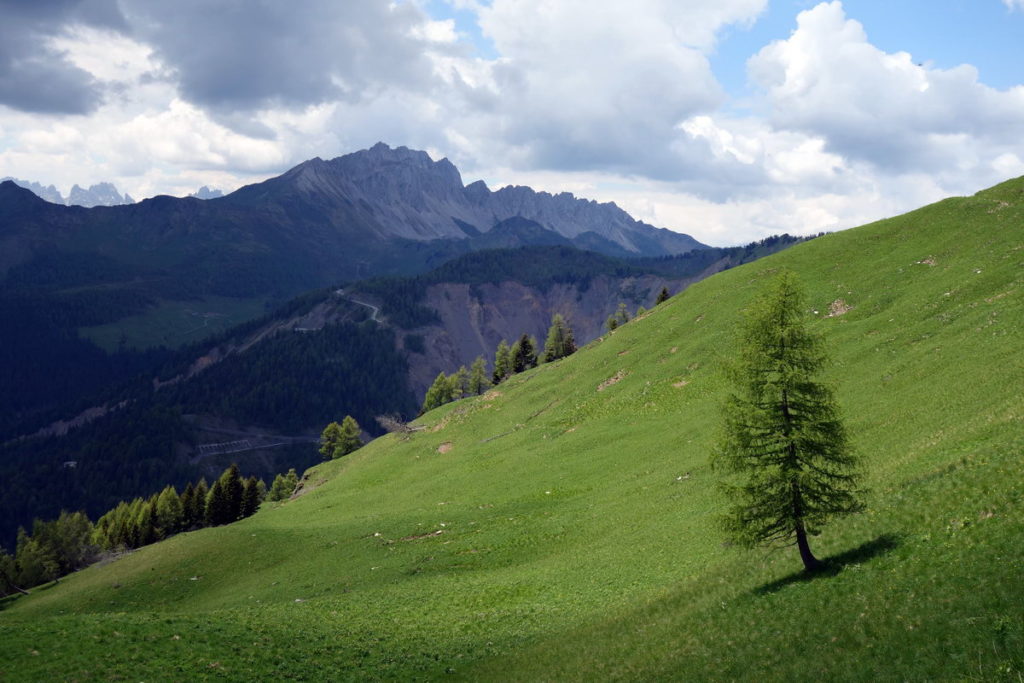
[(144, 521), (508, 360), (340, 439), (284, 486), (54, 549), (70, 542)]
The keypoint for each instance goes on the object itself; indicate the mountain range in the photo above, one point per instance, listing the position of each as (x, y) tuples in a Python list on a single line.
[(377, 211), (100, 194)]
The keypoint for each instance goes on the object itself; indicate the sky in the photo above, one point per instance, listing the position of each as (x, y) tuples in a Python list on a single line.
[(729, 121)]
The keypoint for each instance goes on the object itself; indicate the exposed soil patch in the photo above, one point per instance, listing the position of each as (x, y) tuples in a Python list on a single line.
[(492, 394), (673, 349), (614, 379), (930, 261), (680, 384), (837, 308), (445, 447), (305, 486)]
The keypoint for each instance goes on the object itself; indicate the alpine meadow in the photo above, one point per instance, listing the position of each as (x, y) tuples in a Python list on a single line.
[(565, 524)]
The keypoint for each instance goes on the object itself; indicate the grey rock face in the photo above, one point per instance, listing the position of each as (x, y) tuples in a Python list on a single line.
[(100, 194), (205, 192), (404, 193)]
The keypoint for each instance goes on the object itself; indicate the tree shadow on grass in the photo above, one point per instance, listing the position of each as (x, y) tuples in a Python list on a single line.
[(835, 564)]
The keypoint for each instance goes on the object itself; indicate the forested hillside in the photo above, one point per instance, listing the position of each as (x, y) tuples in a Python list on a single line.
[(291, 384)]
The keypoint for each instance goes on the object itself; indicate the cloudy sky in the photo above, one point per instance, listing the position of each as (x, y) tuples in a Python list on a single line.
[(729, 120)]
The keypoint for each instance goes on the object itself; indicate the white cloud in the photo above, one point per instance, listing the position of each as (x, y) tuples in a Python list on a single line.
[(828, 80), (585, 85), (1014, 4)]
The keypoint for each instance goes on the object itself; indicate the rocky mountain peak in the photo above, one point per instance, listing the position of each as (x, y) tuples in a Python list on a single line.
[(100, 194), (401, 192)]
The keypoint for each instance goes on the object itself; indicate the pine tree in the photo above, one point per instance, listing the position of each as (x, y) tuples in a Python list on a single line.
[(232, 487), (132, 531), (197, 515), (621, 314), (349, 437), (523, 354), (35, 564), (169, 512), (329, 439), (478, 382), (611, 323), (146, 524), (250, 498), (277, 489), (560, 342), (782, 436), (460, 383), (502, 363), (9, 575), (439, 393), (186, 506), (218, 508), (663, 296), (291, 481)]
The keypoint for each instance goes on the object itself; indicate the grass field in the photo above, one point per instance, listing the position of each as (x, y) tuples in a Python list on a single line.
[(175, 323), (563, 525)]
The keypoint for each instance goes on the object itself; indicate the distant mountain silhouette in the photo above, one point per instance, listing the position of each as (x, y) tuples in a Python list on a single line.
[(100, 194)]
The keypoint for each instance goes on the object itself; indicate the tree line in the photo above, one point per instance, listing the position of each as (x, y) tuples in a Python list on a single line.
[(508, 360), (72, 541)]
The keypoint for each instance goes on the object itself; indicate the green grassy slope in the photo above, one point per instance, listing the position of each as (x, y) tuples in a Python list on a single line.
[(562, 525)]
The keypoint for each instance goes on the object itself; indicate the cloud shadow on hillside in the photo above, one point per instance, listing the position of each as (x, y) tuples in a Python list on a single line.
[(836, 563)]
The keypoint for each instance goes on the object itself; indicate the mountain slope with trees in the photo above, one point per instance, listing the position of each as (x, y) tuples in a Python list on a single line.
[(563, 526), (166, 271)]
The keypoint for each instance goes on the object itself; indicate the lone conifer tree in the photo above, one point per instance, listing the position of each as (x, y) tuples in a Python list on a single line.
[(782, 432), (663, 296)]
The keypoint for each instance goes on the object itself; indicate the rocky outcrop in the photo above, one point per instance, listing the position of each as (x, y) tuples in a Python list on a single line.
[(404, 193), (100, 194)]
